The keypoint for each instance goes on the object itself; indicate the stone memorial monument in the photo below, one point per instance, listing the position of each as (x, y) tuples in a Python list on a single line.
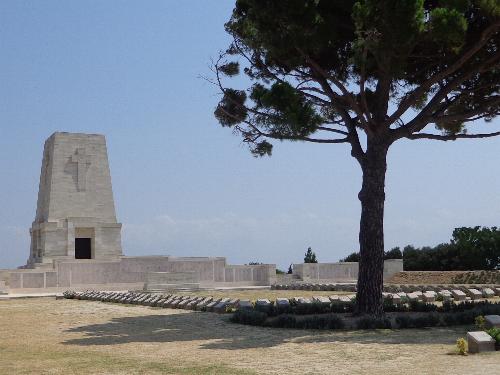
[(76, 239), (75, 215)]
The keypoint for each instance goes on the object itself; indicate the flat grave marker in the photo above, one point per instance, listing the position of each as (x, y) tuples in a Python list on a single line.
[(492, 321), (474, 293), (282, 302), (334, 298), (488, 293), (458, 295), (429, 297), (480, 341), (321, 299), (245, 304)]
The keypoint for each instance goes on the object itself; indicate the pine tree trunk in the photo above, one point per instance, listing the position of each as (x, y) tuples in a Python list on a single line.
[(371, 231)]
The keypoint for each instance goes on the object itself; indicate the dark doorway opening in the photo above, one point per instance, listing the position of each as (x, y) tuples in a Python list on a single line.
[(83, 248)]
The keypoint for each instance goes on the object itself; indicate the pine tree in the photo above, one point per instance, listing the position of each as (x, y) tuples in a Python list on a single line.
[(310, 256), (364, 73)]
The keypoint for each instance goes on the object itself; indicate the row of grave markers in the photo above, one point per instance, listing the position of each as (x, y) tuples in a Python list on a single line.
[(172, 301), (486, 290), (464, 294), (220, 305)]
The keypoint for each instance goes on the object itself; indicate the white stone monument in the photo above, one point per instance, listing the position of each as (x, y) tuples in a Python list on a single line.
[(75, 215)]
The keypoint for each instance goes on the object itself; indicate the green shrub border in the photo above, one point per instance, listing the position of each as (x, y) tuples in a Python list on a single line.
[(348, 307), (450, 314), (495, 333)]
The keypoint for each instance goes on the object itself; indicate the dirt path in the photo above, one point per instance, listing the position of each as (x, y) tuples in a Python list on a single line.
[(46, 336)]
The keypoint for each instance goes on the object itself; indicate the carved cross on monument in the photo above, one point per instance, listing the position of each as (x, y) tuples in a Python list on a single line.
[(82, 161)]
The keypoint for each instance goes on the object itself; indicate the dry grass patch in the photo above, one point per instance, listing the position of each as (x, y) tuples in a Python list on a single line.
[(45, 336)]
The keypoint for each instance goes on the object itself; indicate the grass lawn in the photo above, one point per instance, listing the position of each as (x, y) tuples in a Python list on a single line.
[(48, 336)]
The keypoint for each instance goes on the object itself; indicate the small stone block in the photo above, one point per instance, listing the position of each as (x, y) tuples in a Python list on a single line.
[(321, 299), (245, 304), (224, 300), (492, 321), (412, 297), (297, 299), (282, 302), (210, 306), (429, 297), (458, 295), (419, 294), (175, 303), (220, 307), (168, 301), (488, 293), (191, 304), (154, 301), (474, 293), (162, 302), (480, 341), (444, 293), (334, 298), (203, 303), (183, 303)]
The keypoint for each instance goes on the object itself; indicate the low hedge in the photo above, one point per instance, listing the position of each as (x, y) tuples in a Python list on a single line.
[(316, 321), (449, 314), (389, 306), (495, 333), (249, 317), (306, 308)]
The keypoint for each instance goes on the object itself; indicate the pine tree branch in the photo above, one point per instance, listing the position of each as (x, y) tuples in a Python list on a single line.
[(464, 116), (346, 94), (425, 116), (332, 130), (419, 92), (263, 67), (337, 102), (451, 137), (274, 135)]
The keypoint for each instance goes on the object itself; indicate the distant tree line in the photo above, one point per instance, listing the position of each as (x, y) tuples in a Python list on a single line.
[(476, 248), (394, 253)]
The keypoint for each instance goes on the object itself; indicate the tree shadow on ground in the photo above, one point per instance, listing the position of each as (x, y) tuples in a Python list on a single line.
[(222, 334)]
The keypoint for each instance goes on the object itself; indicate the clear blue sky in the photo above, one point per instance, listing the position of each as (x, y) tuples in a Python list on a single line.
[(183, 185)]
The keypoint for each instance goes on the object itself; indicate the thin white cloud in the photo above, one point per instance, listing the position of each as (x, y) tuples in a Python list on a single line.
[(280, 239)]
